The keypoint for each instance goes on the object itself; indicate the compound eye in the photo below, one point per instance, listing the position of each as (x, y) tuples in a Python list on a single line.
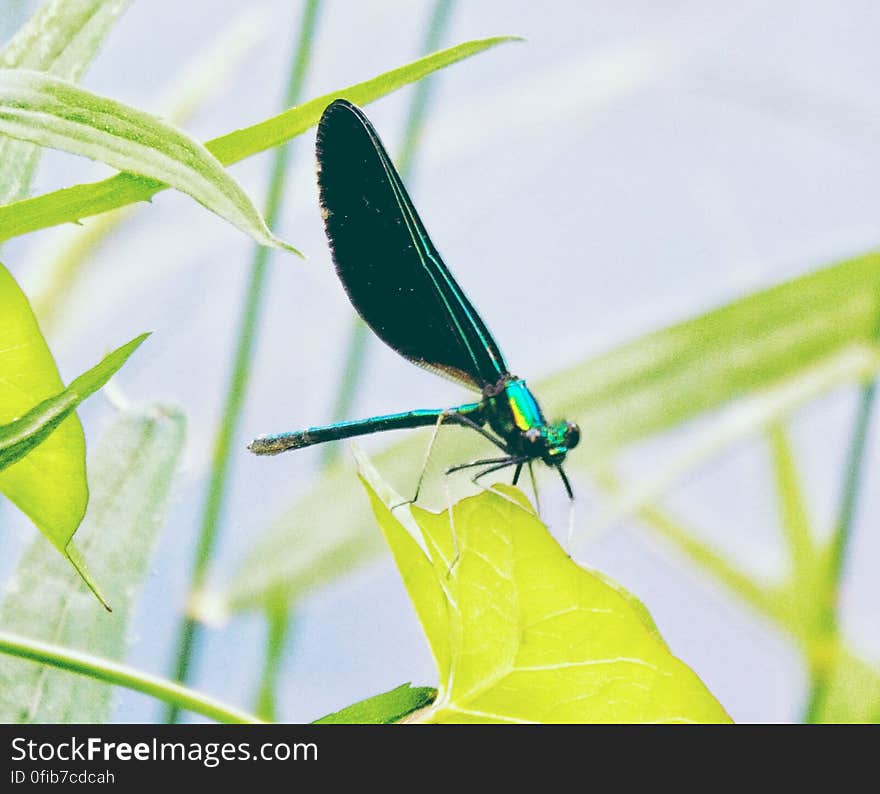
[(572, 435)]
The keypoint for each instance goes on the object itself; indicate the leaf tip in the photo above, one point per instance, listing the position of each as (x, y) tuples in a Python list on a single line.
[(79, 565), (289, 248)]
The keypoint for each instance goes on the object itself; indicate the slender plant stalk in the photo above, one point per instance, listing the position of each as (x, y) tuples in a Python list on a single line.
[(353, 370), (821, 669), (415, 122), (349, 381), (120, 675), (277, 632), (187, 645), (852, 484), (792, 505)]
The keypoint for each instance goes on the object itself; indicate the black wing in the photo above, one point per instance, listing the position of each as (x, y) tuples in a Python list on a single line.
[(391, 271)]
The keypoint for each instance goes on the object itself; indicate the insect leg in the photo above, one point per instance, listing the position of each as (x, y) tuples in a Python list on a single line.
[(440, 417), (517, 472), (565, 482), (535, 489), (466, 421), (482, 462), (500, 464)]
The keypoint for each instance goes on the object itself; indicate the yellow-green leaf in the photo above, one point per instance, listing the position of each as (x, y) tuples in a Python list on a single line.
[(49, 485), (48, 111), (531, 637)]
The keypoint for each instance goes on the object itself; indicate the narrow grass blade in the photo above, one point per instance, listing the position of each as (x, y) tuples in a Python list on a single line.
[(21, 436), (792, 503), (802, 598), (81, 201), (111, 672)]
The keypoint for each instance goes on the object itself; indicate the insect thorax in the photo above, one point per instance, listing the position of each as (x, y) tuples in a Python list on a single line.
[(514, 414)]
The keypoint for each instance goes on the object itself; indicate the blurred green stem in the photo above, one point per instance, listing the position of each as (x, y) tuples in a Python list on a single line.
[(827, 646), (277, 632), (187, 645), (353, 369), (792, 504), (826, 651)]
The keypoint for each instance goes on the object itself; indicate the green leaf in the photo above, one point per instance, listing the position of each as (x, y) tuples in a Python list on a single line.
[(131, 472), (62, 38), (48, 111), (21, 436), (81, 201), (521, 633), (383, 709), (273, 132)]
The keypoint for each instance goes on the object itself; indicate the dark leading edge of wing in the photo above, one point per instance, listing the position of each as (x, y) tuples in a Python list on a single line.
[(391, 271)]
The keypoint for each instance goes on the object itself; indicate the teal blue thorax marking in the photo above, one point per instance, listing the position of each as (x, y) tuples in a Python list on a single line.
[(526, 413)]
